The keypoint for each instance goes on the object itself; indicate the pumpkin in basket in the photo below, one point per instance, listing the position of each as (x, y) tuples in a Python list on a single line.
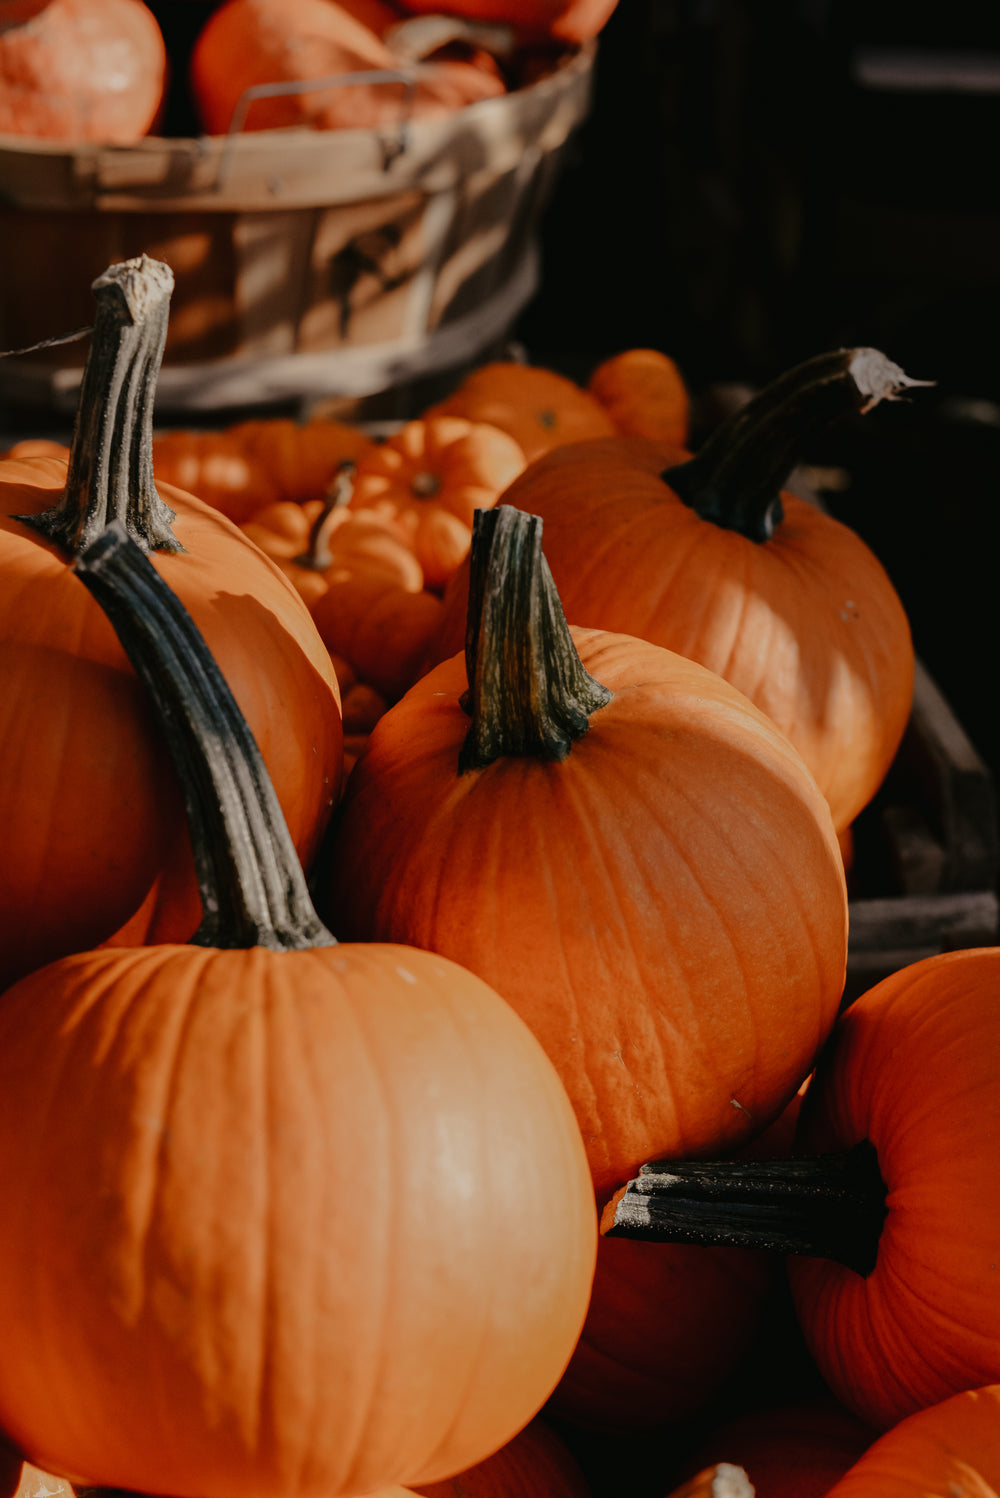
[(81, 70), (285, 1187), (247, 43)]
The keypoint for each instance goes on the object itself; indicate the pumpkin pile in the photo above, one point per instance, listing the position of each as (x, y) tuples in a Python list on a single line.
[(434, 856)]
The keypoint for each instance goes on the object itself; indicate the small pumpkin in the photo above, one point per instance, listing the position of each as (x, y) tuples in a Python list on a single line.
[(81, 70), (251, 464), (711, 557), (428, 479), (304, 1260), (888, 1209), (538, 407), (322, 543), (383, 629), (246, 43), (644, 393), (792, 1450), (619, 808)]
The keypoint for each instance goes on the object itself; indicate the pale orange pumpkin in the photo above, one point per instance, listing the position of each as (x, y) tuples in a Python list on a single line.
[(429, 478), (644, 393), (538, 407)]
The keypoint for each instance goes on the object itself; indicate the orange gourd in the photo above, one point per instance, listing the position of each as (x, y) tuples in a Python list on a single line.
[(709, 557), (429, 478), (644, 393), (81, 70), (661, 851), (889, 1212), (322, 543), (303, 1259), (538, 407), (951, 1449), (246, 43), (263, 461), (90, 815)]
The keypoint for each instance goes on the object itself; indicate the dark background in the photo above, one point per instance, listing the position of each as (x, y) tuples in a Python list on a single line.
[(759, 182)]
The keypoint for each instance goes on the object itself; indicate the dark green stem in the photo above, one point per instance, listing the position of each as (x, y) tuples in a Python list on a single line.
[(529, 692), (111, 459), (736, 477), (252, 886), (826, 1206)]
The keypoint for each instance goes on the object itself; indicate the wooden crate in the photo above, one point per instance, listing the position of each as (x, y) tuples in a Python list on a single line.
[(927, 853)]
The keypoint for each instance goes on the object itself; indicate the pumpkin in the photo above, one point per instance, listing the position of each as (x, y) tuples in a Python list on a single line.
[(90, 812), (949, 1449), (662, 854), (81, 70), (255, 463), (383, 629), (644, 393), (428, 479), (321, 543), (304, 1258), (246, 43), (538, 407), (571, 21), (712, 559), (890, 1217)]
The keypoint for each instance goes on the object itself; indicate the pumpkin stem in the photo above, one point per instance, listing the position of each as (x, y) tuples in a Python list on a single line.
[(529, 692), (317, 555), (735, 478), (111, 458), (253, 890), (826, 1206)]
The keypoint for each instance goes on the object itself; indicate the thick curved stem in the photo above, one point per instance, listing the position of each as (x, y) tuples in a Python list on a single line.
[(826, 1206), (736, 477), (111, 459), (529, 692), (252, 886)]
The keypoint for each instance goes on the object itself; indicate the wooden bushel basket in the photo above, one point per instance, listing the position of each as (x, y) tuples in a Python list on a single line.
[(308, 263)]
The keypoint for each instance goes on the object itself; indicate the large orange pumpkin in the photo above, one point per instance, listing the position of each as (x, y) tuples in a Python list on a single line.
[(90, 812), (889, 1210), (285, 1188), (711, 559), (622, 845)]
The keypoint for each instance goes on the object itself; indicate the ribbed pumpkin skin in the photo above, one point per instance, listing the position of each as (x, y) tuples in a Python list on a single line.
[(789, 1451), (89, 806), (913, 1068), (82, 70), (665, 907), (304, 1256), (951, 1450), (806, 624)]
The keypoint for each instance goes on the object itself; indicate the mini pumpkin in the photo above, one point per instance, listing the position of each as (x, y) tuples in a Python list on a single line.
[(538, 407), (644, 393)]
